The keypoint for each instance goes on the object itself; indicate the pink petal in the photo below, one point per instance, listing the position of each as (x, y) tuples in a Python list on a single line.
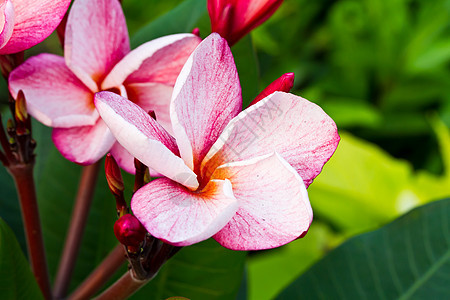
[(143, 137), (159, 60), (55, 97), (34, 21), (96, 39), (300, 131), (206, 96), (174, 214), (83, 145), (273, 209), (282, 84), (126, 161), (153, 96), (6, 21)]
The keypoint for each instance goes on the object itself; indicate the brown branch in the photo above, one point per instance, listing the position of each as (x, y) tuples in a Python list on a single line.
[(75, 233), (123, 288), (100, 275), (23, 178)]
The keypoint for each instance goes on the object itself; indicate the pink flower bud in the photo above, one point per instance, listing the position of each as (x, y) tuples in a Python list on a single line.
[(129, 231), (282, 84), (234, 19), (21, 108)]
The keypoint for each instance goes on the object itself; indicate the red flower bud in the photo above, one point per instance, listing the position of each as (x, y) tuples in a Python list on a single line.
[(113, 175), (129, 231), (282, 84), (233, 19)]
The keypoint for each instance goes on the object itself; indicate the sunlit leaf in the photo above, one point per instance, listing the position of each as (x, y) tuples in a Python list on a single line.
[(406, 259)]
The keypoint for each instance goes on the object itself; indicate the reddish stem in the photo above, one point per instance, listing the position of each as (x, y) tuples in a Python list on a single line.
[(100, 275), (75, 233), (23, 178), (123, 288)]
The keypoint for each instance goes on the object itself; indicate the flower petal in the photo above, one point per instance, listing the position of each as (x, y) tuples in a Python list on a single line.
[(159, 60), (96, 39), (126, 161), (84, 145), (206, 96), (34, 21), (174, 214), (143, 137), (153, 96), (55, 97), (300, 131), (7, 21), (273, 209)]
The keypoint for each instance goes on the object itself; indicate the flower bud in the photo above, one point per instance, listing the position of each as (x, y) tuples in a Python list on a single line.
[(234, 19), (113, 175), (21, 108), (282, 84), (130, 232), (196, 31)]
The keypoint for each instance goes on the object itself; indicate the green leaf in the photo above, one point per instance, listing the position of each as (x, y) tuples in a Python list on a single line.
[(407, 259), (269, 272), (56, 190), (363, 187), (201, 271), (180, 19), (16, 279), (247, 65)]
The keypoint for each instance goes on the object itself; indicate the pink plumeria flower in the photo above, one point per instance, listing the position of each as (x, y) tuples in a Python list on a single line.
[(60, 90), (240, 177), (25, 23), (233, 19)]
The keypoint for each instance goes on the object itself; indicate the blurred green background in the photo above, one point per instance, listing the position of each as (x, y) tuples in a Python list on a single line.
[(379, 68)]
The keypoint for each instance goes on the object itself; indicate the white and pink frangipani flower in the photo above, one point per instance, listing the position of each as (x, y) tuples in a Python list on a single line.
[(240, 177), (60, 90), (25, 23)]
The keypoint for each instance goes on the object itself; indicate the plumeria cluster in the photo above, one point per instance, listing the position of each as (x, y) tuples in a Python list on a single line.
[(173, 107)]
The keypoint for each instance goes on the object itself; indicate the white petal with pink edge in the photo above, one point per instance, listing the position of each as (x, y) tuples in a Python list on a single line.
[(274, 208), (55, 97), (96, 39), (174, 214), (159, 60), (6, 21), (34, 21), (143, 137), (126, 161), (299, 130), (84, 145)]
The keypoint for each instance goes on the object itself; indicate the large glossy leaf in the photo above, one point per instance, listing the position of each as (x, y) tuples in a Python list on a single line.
[(181, 19), (202, 271), (269, 272), (407, 259), (57, 187), (362, 187), (16, 279)]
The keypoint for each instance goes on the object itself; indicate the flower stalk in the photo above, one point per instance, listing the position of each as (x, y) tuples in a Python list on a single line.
[(75, 233), (100, 275)]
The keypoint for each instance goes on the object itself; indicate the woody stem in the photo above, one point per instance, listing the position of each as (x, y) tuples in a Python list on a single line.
[(76, 228)]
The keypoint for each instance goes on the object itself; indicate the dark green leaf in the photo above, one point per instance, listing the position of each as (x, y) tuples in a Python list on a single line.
[(202, 271), (181, 19), (57, 187), (247, 66), (16, 279), (406, 259)]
